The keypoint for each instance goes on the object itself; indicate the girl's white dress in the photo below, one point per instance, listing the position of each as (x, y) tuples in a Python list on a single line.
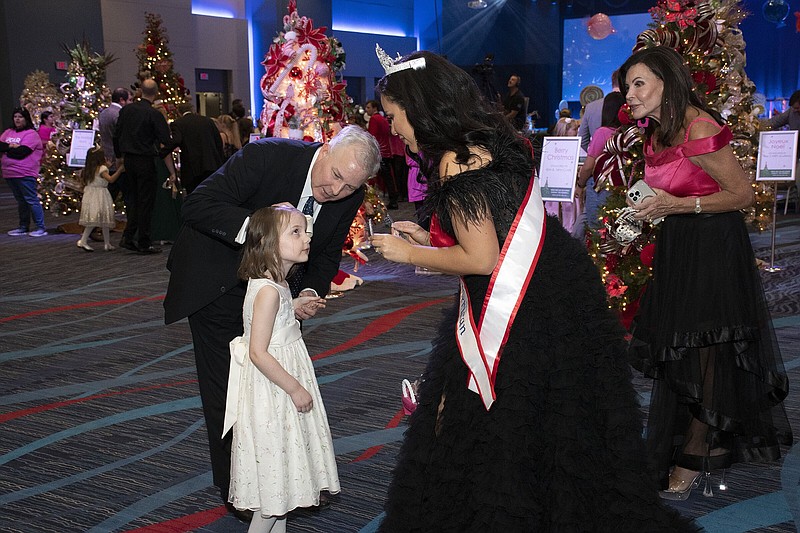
[(281, 459), (97, 207)]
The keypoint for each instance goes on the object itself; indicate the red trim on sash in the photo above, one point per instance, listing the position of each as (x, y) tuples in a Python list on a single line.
[(495, 272)]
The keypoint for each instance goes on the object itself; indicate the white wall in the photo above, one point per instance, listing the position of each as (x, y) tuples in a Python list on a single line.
[(221, 43), (123, 30), (196, 41)]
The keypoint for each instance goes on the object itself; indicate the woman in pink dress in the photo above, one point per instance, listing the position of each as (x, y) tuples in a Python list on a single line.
[(703, 330)]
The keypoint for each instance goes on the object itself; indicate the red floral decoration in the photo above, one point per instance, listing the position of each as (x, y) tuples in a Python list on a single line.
[(151, 50), (646, 255), (614, 286)]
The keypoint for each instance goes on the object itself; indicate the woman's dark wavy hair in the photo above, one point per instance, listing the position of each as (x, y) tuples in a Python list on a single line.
[(26, 115), (447, 111), (678, 93), (611, 104)]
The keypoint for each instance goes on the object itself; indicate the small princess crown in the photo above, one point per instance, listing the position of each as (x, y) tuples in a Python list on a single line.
[(390, 66)]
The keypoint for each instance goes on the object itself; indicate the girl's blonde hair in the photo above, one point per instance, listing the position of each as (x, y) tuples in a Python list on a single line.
[(564, 125), (261, 256), (95, 158)]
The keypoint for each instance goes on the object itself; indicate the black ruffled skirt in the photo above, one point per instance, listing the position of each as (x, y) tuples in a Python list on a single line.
[(704, 333), (561, 449)]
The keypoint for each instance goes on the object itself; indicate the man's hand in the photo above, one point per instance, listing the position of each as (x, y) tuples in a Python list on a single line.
[(307, 304)]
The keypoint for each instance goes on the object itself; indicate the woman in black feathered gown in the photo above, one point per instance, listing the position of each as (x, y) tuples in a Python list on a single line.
[(561, 448)]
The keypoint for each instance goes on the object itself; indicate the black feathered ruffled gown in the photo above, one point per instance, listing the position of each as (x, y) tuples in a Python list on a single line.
[(561, 449)]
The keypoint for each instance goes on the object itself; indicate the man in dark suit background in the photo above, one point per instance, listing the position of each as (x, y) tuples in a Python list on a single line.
[(204, 260), (200, 144), (107, 123), (140, 135)]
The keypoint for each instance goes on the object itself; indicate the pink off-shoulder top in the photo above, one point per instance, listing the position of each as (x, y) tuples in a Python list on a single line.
[(671, 169)]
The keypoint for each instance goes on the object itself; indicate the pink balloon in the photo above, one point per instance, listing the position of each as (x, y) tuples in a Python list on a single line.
[(599, 26)]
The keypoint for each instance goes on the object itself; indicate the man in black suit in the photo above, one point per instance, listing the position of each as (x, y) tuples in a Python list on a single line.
[(200, 143), (204, 260), (140, 135)]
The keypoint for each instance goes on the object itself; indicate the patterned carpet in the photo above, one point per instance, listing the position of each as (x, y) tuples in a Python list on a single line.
[(100, 421)]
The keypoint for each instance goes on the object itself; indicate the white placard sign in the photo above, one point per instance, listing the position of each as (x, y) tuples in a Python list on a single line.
[(777, 156), (559, 168), (255, 136), (82, 142)]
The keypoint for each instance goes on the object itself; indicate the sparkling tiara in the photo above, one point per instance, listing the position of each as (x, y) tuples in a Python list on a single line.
[(390, 66)]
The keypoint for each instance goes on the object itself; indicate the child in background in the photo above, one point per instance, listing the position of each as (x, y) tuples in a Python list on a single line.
[(282, 452), (46, 126), (569, 213), (97, 207)]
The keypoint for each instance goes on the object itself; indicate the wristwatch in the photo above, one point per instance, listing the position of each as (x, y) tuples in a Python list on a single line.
[(697, 208)]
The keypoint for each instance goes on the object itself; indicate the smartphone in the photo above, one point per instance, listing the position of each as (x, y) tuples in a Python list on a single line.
[(638, 192)]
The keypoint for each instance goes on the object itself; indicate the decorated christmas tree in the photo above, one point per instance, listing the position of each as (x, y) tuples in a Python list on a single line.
[(707, 35), (305, 98), (304, 94), (39, 95), (155, 58), (84, 95)]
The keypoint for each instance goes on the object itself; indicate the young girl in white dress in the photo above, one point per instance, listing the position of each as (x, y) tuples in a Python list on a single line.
[(97, 206), (282, 453)]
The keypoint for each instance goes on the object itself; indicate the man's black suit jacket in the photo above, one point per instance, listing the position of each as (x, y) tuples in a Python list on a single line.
[(201, 148), (204, 259)]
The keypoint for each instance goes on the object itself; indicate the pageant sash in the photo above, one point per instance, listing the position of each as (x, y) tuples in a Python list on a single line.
[(481, 344)]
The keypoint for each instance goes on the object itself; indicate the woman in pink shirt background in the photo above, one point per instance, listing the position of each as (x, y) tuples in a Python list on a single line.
[(21, 151)]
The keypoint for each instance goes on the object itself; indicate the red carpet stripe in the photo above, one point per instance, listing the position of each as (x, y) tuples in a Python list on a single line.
[(5, 417), (185, 523), (393, 423), (378, 327), (79, 306)]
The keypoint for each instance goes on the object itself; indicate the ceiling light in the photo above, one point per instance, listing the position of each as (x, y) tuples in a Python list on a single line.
[(477, 4)]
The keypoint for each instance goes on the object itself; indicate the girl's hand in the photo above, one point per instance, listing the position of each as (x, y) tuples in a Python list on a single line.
[(654, 207), (302, 399), (414, 231), (307, 306), (392, 247)]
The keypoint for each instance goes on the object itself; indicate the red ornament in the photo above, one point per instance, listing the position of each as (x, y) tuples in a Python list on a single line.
[(612, 260), (624, 115), (151, 50), (296, 73), (646, 255), (626, 317), (181, 82), (308, 138), (163, 88), (711, 81)]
